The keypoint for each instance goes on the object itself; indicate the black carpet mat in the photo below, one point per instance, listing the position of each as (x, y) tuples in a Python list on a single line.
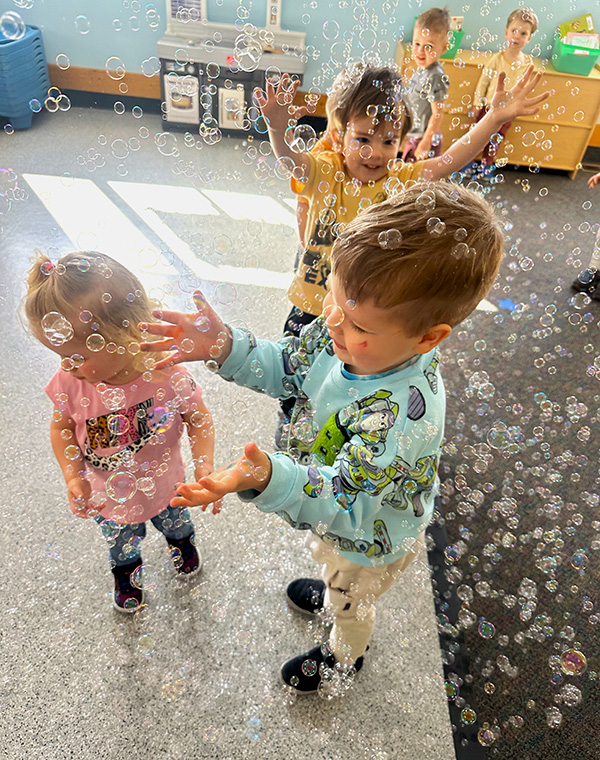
[(515, 548)]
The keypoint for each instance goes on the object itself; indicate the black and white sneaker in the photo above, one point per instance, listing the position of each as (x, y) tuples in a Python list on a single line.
[(307, 672), (306, 595), (588, 281)]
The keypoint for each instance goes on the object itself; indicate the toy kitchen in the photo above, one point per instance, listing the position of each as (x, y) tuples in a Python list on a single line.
[(209, 70)]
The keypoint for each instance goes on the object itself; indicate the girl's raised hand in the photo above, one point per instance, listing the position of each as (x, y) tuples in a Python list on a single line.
[(189, 337), (250, 472)]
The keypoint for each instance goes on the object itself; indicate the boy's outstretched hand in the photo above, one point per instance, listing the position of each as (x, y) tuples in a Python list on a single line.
[(276, 102), (516, 102), (189, 337), (252, 471)]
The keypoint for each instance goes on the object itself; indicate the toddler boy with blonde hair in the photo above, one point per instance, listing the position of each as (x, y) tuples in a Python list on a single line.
[(369, 410)]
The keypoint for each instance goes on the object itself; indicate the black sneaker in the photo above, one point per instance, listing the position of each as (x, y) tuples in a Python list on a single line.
[(306, 595), (306, 672), (185, 556), (588, 281), (129, 596)]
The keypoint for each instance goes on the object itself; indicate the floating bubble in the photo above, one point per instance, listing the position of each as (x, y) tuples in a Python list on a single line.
[(486, 629), (485, 737), (118, 424), (95, 342), (115, 68), (72, 453), (579, 560), (573, 662), (247, 52), (305, 429), (452, 553), (331, 30), (309, 667), (151, 66), (146, 645), (225, 293), (57, 329), (222, 244), (333, 315), (160, 419), (12, 25), (35, 105), (62, 61), (121, 486), (301, 139), (82, 24), (468, 716)]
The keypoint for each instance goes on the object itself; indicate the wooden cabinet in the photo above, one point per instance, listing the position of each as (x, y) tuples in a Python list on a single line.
[(555, 138)]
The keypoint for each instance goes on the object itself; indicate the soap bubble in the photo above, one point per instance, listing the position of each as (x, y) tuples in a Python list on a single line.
[(333, 315), (82, 24), (12, 25), (121, 486), (160, 419), (390, 239), (57, 329), (573, 662)]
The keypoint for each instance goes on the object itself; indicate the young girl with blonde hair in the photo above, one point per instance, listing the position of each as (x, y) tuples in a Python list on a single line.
[(117, 422)]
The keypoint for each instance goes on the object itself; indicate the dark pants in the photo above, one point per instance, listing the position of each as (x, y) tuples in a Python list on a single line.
[(124, 540)]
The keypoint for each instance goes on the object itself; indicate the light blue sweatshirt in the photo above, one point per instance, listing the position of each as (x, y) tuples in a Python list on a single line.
[(369, 486)]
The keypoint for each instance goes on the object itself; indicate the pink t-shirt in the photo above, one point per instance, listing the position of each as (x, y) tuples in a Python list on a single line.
[(129, 438)]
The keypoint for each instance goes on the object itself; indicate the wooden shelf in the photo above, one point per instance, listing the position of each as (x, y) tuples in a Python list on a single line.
[(572, 95)]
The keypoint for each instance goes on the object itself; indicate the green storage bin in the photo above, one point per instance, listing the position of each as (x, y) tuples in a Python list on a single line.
[(572, 59), (454, 39)]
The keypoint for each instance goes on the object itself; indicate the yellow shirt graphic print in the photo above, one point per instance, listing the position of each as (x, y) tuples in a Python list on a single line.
[(334, 199)]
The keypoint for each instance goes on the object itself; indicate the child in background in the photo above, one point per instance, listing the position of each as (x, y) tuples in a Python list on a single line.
[(370, 405), (339, 98), (363, 169), (117, 421), (588, 280), (511, 61), (427, 89)]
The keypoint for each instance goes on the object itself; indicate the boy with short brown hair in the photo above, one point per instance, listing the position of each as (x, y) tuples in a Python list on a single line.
[(370, 406), (427, 89)]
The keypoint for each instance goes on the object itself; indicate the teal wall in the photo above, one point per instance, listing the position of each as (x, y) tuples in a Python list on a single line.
[(335, 29)]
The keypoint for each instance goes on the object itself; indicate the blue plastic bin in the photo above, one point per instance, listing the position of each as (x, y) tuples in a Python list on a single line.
[(23, 76)]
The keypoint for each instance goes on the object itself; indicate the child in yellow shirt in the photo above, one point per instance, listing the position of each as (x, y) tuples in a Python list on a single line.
[(513, 62)]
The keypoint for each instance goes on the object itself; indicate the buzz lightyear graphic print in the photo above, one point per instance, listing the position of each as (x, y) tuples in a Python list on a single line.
[(361, 466)]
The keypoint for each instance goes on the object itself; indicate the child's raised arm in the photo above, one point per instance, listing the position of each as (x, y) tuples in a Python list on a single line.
[(277, 109), (505, 106)]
